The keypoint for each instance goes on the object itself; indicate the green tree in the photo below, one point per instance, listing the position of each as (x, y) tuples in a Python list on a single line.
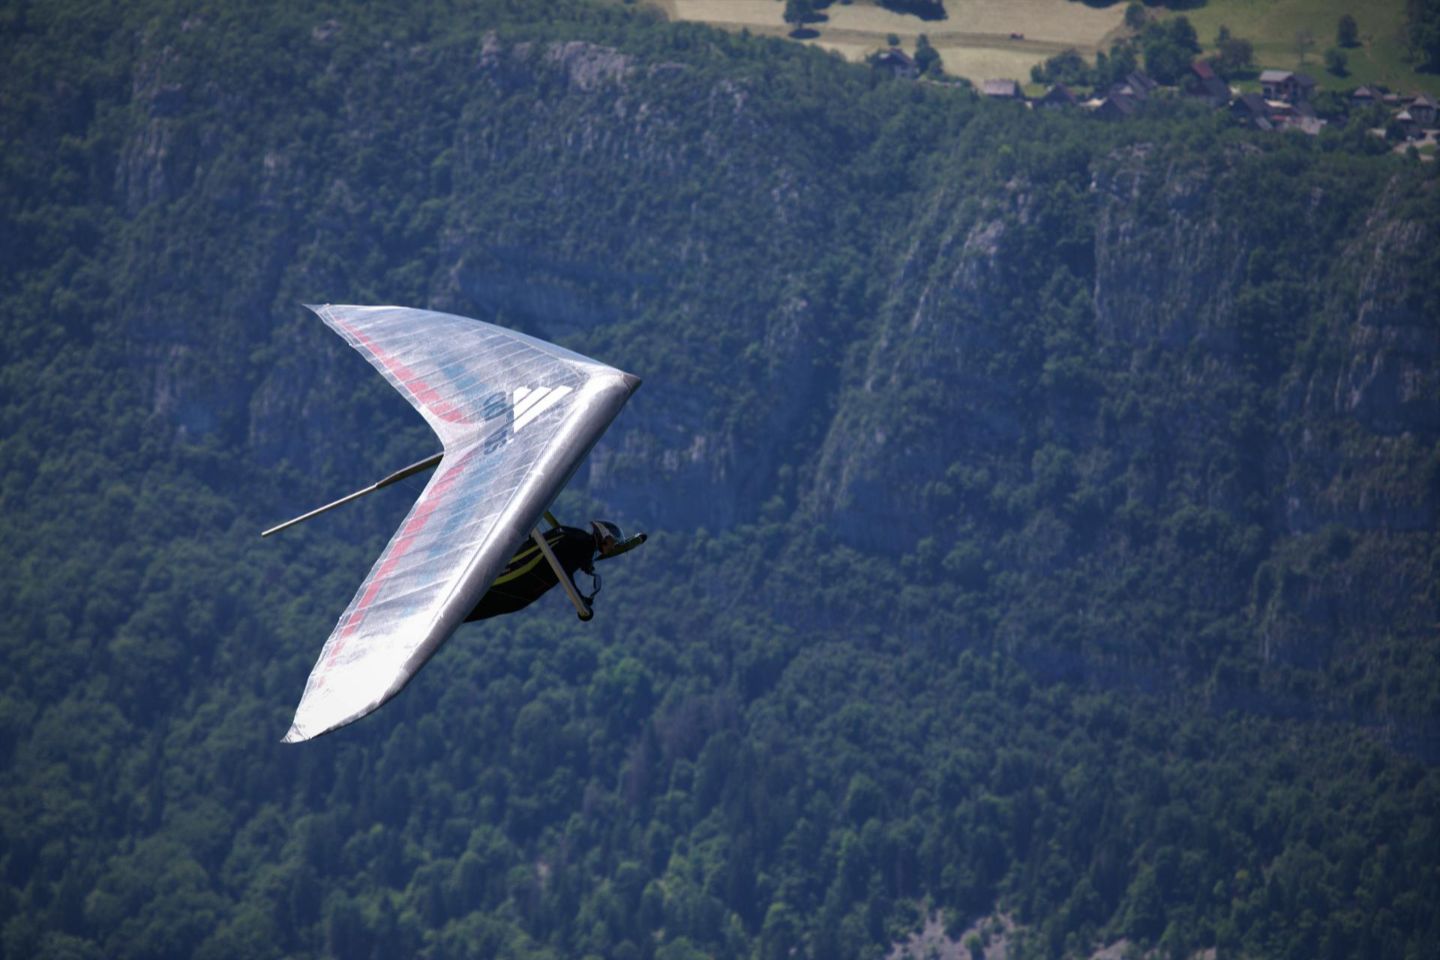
[(1165, 61), (1423, 29), (1067, 67), (1122, 62), (1145, 918), (1236, 56), (1182, 34), (1336, 61), (798, 13), (927, 58), (1347, 32), (1168, 47), (779, 933)]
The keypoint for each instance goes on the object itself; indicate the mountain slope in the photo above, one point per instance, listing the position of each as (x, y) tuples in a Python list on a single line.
[(1043, 512)]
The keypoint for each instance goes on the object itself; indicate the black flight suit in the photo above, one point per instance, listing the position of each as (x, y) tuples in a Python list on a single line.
[(527, 576)]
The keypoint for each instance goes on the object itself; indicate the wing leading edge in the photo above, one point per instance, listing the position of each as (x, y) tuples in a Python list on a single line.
[(516, 416)]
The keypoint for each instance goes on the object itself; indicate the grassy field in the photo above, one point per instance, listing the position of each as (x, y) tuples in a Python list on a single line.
[(974, 42), (1272, 26)]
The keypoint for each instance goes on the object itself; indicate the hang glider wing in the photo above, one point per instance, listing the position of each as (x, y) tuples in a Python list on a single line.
[(516, 416)]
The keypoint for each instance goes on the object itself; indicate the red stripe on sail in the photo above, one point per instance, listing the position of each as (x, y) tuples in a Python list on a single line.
[(424, 510), (427, 396)]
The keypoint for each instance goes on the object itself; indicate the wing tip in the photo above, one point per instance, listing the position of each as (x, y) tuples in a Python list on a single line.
[(296, 735)]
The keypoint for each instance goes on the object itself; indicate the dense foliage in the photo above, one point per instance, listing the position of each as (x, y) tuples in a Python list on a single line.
[(1042, 512), (1166, 49), (1423, 31)]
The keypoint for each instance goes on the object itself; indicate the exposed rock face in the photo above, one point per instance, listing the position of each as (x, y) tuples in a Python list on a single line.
[(929, 361), (1371, 406), (1173, 262), (1167, 275), (1007, 403), (1392, 379)]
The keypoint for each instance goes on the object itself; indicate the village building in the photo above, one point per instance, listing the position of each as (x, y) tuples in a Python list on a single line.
[(1305, 86), (1287, 86), (897, 63), (1251, 108), (1204, 83), (1058, 96), (1141, 83), (1273, 82), (1301, 117), (1364, 96), (1138, 85), (1117, 106), (1424, 111), (1001, 89)]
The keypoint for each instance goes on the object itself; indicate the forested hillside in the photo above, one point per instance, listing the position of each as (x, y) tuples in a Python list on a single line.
[(1042, 512)]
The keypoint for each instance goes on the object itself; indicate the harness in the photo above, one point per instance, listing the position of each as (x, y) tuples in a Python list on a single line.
[(529, 557), (589, 598)]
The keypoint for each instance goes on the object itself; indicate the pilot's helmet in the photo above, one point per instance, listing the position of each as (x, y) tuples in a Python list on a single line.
[(607, 536)]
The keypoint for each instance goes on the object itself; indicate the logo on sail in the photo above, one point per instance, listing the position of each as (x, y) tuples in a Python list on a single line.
[(526, 405)]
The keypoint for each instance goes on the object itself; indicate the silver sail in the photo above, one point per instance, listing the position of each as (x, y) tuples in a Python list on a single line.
[(516, 416)]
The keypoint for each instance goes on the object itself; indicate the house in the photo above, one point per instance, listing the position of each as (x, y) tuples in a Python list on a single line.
[(897, 63), (1001, 89), (1058, 96), (1117, 106), (1305, 124), (1409, 129), (1205, 84), (1141, 83), (1252, 109), (1287, 86), (1137, 85), (1364, 96), (1424, 110), (1301, 117), (1275, 83)]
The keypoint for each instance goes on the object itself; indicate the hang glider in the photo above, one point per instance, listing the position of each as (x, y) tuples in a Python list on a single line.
[(516, 416)]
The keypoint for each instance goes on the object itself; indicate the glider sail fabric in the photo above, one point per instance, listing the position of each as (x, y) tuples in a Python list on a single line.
[(516, 416)]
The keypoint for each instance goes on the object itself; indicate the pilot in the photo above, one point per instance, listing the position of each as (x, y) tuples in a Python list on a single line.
[(528, 576)]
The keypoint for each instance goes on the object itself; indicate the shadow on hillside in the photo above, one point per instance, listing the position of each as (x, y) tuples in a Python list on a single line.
[(924, 9)]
